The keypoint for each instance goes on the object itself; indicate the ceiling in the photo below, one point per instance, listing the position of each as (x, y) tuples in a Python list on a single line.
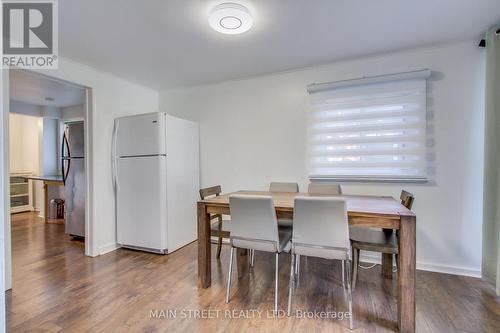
[(34, 88), (168, 43)]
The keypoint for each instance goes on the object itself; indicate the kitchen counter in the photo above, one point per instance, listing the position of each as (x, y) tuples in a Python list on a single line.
[(56, 180), (46, 178)]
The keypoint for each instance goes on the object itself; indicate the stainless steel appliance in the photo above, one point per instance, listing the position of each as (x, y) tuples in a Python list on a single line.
[(73, 172)]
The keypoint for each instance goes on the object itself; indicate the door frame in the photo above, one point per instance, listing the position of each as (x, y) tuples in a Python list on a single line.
[(90, 237), (5, 269)]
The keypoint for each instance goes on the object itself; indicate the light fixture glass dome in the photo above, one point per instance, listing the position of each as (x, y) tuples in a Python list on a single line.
[(230, 18)]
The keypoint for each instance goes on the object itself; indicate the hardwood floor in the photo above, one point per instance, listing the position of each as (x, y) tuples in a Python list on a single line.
[(57, 289)]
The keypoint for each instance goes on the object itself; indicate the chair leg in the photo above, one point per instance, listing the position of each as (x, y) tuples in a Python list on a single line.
[(229, 274), (355, 263), (343, 273), (219, 247), (290, 285), (349, 294), (276, 285), (252, 256), (297, 269), (297, 260)]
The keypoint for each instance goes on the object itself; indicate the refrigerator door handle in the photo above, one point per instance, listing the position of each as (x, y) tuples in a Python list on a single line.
[(114, 170), (63, 158), (65, 139), (62, 168), (63, 171), (65, 177)]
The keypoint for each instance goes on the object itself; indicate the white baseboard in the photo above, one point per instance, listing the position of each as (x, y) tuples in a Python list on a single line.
[(108, 248), (369, 257), (455, 270), (375, 258)]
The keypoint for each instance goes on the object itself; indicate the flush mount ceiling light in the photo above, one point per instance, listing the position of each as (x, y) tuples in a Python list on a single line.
[(230, 18)]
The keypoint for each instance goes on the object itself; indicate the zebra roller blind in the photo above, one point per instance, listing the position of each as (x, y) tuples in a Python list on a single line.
[(369, 129)]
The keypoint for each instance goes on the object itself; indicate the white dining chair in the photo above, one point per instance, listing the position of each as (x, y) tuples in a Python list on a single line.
[(320, 188), (320, 229), (254, 227), (324, 188)]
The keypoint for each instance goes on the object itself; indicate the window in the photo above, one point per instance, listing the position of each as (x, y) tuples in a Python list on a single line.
[(373, 128)]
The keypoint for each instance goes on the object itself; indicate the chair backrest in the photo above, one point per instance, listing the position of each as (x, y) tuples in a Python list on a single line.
[(210, 191), (283, 187), (325, 188), (407, 199), (321, 221), (253, 218)]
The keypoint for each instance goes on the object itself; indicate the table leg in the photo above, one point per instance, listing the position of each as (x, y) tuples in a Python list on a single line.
[(46, 202), (242, 262), (204, 256), (406, 274), (387, 259)]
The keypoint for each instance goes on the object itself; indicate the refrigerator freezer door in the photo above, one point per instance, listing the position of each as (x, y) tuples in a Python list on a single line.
[(140, 135), (75, 198), (141, 202), (74, 146)]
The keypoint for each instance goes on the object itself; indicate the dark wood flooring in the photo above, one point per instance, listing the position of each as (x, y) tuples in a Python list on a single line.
[(57, 289)]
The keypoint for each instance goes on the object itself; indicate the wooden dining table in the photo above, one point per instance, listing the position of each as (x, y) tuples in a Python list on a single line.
[(363, 211)]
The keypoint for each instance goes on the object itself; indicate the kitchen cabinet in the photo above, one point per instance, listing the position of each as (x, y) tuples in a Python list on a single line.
[(21, 193)]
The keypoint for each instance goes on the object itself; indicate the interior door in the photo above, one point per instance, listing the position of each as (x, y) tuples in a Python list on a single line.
[(140, 135), (141, 202)]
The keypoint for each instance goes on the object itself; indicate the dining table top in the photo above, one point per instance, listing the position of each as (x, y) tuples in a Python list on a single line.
[(385, 206)]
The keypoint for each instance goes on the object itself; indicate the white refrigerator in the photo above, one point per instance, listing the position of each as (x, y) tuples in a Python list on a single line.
[(156, 181)]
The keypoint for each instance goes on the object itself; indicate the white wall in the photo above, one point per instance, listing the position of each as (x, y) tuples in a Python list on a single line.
[(73, 112), (34, 110), (50, 112), (253, 131), (111, 97), (27, 109), (23, 142), (50, 146)]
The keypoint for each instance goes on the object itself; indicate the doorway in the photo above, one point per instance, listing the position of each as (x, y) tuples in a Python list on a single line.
[(48, 161)]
